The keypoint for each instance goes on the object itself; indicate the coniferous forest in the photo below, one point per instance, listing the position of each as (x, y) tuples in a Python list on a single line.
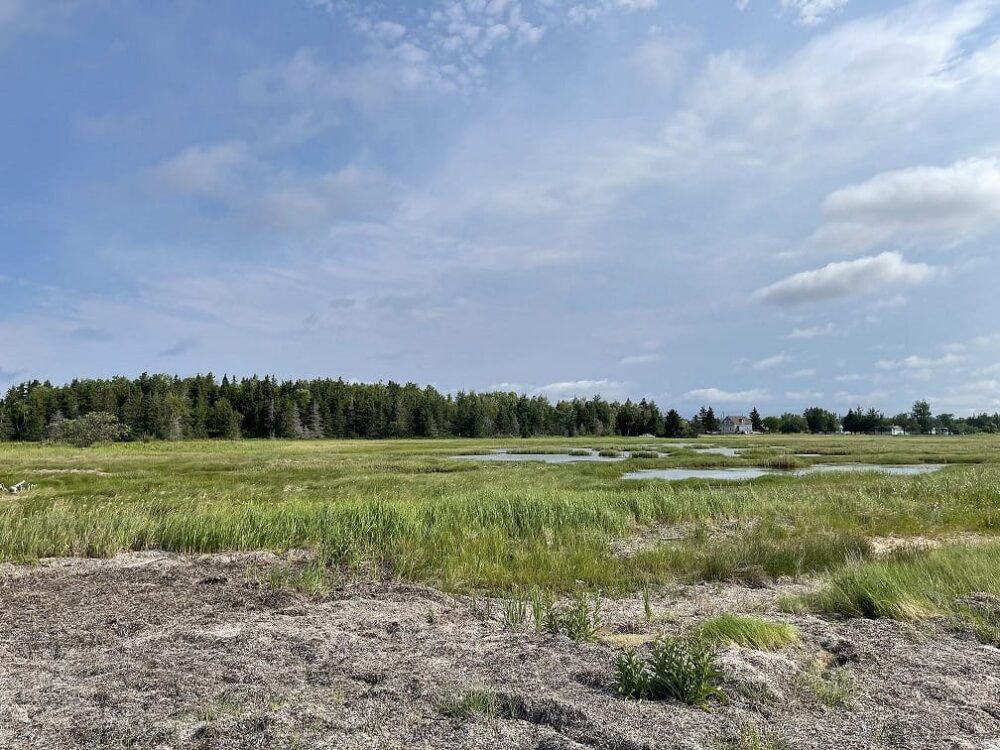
[(168, 407)]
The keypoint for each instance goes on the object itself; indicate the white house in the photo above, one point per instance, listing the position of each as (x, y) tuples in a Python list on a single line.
[(896, 430), (738, 425)]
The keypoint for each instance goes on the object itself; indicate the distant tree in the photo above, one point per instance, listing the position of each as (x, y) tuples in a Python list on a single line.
[(224, 421), (96, 427), (771, 424), (793, 423), (673, 425), (710, 423), (921, 414), (819, 420), (755, 421)]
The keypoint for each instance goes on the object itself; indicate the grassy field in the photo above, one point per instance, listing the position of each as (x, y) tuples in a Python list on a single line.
[(410, 509)]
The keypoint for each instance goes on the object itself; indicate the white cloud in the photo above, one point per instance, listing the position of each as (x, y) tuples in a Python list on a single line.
[(803, 395), (769, 362), (954, 202), (719, 396), (812, 12), (812, 332), (205, 171), (641, 359), (915, 362), (581, 388), (807, 372), (813, 109), (844, 278), (262, 194)]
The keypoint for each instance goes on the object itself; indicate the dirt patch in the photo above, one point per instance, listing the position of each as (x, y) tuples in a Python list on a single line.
[(886, 545), (160, 651)]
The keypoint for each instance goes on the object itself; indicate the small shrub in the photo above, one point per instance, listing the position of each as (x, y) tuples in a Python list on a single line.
[(751, 632), (608, 453), (631, 675), (579, 452), (682, 669)]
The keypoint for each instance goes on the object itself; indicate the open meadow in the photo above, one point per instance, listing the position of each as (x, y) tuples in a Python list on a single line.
[(394, 594)]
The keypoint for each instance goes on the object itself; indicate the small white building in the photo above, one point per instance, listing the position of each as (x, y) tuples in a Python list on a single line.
[(896, 430), (738, 425)]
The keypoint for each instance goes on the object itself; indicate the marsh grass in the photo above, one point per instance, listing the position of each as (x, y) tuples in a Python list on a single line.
[(407, 509), (750, 632), (956, 581)]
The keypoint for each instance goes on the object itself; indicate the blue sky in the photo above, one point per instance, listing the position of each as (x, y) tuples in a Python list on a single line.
[(776, 203)]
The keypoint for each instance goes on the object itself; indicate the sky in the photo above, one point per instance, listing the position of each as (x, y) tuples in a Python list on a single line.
[(770, 203)]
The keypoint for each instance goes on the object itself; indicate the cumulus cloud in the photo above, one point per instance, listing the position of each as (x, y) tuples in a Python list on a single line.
[(844, 278), (954, 202), (812, 12), (812, 332), (720, 396)]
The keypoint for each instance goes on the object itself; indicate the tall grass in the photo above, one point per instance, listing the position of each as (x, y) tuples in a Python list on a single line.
[(913, 586), (408, 509)]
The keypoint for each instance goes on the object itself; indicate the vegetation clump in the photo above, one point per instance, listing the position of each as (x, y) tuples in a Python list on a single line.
[(644, 454), (677, 668), (580, 619), (750, 632), (914, 585), (92, 428)]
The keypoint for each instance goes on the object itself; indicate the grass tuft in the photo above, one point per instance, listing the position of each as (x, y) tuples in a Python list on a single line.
[(914, 585), (750, 632)]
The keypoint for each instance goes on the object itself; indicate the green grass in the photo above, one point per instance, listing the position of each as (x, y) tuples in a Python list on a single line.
[(409, 509), (833, 687), (471, 702), (750, 737), (751, 632), (913, 586)]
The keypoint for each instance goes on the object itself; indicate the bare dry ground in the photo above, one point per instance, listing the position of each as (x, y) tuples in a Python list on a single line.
[(153, 650)]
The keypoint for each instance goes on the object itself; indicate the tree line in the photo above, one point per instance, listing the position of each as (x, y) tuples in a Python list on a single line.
[(168, 407)]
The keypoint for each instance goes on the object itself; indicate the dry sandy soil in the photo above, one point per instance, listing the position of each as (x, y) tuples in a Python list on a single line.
[(160, 651)]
